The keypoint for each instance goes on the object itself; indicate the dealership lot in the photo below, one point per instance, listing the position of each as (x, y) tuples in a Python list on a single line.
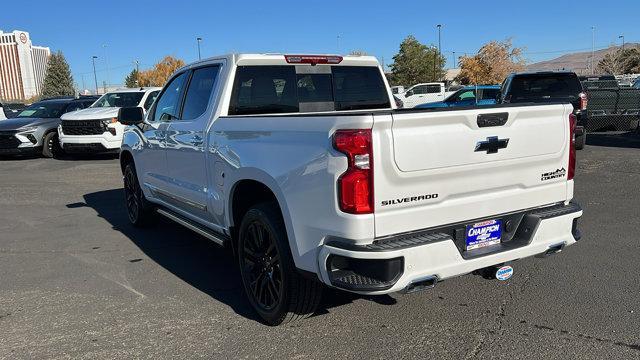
[(77, 281)]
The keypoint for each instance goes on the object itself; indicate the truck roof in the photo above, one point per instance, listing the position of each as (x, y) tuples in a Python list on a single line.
[(279, 59)]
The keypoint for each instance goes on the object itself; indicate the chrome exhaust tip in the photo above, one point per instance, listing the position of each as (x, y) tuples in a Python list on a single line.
[(422, 284)]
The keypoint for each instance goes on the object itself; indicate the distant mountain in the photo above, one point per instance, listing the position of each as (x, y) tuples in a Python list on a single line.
[(579, 62)]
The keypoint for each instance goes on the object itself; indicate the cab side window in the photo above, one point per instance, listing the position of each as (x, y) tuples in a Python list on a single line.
[(168, 104), (433, 89), (199, 92)]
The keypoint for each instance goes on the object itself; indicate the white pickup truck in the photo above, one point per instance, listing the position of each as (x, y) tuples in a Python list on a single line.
[(422, 94), (302, 165), (96, 129)]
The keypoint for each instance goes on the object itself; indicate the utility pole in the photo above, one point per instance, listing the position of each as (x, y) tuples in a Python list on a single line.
[(199, 39), (454, 60), (593, 49), (622, 37), (106, 60), (95, 78)]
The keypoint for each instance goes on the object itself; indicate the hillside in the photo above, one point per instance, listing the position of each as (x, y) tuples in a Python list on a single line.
[(578, 62)]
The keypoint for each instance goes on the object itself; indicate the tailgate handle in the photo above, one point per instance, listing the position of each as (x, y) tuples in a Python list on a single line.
[(488, 120)]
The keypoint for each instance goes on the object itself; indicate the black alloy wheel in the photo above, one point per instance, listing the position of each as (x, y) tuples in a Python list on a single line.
[(261, 263)]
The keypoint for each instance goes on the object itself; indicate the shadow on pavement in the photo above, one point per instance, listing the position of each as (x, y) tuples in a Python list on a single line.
[(194, 259), (620, 140)]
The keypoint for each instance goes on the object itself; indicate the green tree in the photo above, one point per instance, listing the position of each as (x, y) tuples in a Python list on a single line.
[(416, 63), (131, 80), (58, 80)]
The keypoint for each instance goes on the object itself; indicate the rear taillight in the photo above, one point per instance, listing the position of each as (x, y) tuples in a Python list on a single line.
[(355, 186), (572, 147), (584, 99)]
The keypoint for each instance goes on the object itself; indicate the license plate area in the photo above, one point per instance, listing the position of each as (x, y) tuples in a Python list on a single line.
[(483, 234)]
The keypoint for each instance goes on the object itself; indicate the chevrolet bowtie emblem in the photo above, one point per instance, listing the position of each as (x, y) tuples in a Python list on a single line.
[(492, 145)]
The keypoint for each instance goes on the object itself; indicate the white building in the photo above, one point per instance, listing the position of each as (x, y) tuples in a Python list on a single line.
[(22, 66)]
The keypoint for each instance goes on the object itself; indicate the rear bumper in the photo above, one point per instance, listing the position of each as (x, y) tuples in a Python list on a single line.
[(395, 263)]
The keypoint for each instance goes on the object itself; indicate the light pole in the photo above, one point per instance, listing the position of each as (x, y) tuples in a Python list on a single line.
[(439, 26), (454, 60), (622, 37), (338, 43), (95, 78), (593, 48), (106, 60), (199, 39), (137, 72)]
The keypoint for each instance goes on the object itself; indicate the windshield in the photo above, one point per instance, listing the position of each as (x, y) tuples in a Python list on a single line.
[(43, 110), (123, 99)]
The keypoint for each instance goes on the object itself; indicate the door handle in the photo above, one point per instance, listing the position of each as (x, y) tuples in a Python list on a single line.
[(488, 120)]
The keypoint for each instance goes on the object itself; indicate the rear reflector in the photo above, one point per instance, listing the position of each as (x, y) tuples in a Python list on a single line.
[(355, 186), (571, 168), (313, 59)]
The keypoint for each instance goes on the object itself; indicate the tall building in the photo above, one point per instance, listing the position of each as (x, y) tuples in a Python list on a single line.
[(22, 66)]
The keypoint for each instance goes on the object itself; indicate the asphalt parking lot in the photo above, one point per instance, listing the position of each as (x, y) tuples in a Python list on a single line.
[(77, 281)]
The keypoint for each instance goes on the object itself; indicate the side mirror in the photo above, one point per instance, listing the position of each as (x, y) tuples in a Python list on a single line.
[(131, 115), (408, 93)]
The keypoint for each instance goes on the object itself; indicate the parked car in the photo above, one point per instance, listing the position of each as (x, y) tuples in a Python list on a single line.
[(422, 93), (549, 87), (12, 110), (301, 165), (611, 107), (96, 128), (467, 96), (34, 130)]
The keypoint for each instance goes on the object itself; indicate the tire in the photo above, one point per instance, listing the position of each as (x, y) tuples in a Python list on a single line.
[(50, 145), (275, 289), (581, 141), (138, 208)]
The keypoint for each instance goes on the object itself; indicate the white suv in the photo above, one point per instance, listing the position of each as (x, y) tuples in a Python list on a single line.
[(96, 129)]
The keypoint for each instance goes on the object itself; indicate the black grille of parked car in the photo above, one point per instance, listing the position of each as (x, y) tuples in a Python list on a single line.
[(8, 140), (83, 127)]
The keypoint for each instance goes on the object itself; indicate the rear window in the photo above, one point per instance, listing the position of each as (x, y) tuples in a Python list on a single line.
[(544, 86), (283, 89)]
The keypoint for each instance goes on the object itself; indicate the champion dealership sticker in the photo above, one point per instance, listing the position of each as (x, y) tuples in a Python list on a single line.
[(504, 273)]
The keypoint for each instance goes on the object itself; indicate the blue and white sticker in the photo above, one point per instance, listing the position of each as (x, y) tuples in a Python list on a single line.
[(504, 273)]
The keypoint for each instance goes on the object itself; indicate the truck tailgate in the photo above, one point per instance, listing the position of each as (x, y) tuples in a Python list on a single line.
[(444, 167)]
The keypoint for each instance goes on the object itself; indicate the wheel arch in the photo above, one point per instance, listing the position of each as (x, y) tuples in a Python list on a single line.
[(247, 191)]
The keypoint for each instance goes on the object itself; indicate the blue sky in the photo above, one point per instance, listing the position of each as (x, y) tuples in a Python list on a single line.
[(146, 30)]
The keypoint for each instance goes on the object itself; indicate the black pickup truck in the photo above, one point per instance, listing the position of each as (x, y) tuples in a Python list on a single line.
[(547, 87), (611, 107)]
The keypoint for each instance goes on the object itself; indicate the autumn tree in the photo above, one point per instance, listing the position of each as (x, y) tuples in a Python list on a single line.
[(57, 79), (493, 62), (625, 61), (131, 80), (416, 63), (160, 72)]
